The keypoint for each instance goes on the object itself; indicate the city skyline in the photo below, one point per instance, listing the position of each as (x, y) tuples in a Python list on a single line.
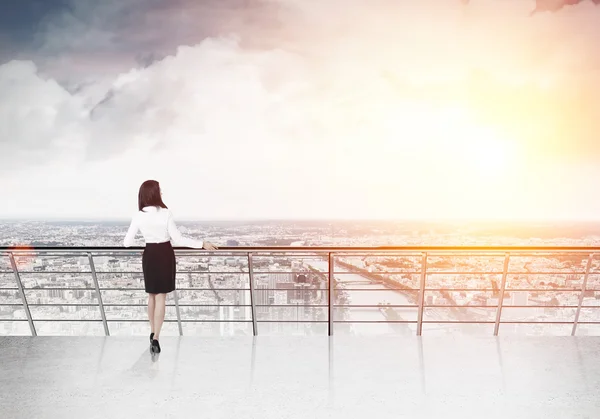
[(299, 109), (373, 289)]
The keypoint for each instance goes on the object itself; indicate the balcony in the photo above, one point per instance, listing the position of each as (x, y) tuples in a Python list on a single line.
[(304, 332), (307, 291)]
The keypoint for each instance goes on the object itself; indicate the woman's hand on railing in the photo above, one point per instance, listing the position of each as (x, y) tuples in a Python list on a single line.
[(209, 246)]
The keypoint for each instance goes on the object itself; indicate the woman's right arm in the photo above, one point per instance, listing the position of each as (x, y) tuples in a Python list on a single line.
[(130, 236)]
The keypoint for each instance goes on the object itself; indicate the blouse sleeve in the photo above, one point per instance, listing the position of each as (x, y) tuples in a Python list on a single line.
[(130, 236), (178, 238)]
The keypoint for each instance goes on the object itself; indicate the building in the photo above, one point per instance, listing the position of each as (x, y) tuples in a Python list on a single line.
[(262, 298)]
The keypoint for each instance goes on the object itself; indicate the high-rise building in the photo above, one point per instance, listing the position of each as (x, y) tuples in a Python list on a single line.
[(262, 298), (277, 278)]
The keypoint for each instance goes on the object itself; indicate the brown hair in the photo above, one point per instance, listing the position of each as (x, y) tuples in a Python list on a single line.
[(150, 195)]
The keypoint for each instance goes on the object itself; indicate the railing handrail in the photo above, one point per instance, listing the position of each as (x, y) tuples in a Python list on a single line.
[(246, 249), (422, 253)]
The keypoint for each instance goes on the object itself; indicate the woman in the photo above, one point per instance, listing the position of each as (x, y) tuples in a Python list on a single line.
[(156, 223)]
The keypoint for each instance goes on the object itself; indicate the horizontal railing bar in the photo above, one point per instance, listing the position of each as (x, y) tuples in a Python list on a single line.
[(121, 272), (215, 289), (429, 273), (374, 289), (508, 273), (509, 306), (70, 320), (57, 289), (341, 249), (177, 272), (543, 289), (400, 273), (208, 305), (55, 272), (134, 321), (180, 289), (131, 272), (256, 289), (299, 321), (464, 322), (290, 272), (63, 305), (545, 273), (375, 321), (211, 272), (540, 322), (459, 322), (294, 305), (180, 305), (507, 289), (213, 321), (291, 305), (375, 306), (494, 306), (310, 289), (292, 321), (124, 305)]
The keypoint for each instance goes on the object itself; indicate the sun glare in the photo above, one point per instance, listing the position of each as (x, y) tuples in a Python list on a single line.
[(446, 137), (465, 166), (484, 152)]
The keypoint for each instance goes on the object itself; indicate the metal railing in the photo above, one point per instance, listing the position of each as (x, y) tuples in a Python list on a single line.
[(424, 281)]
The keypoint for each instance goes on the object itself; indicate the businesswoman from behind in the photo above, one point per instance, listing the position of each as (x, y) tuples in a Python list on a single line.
[(156, 223)]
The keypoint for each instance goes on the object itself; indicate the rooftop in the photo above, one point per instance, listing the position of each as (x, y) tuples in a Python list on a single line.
[(440, 332), (301, 377)]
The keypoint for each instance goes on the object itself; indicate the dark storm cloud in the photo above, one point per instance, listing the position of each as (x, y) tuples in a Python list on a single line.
[(130, 28), (20, 19)]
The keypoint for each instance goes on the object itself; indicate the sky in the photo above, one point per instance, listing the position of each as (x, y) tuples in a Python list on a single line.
[(282, 109)]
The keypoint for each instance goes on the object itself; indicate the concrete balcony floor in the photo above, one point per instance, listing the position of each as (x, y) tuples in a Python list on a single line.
[(300, 377)]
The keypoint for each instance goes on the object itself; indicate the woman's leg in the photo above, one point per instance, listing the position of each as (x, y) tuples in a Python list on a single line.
[(151, 305), (159, 313)]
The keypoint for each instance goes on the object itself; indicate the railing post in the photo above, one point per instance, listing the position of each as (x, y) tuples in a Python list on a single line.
[(501, 297), (22, 291), (583, 289), (100, 304), (422, 294), (330, 295), (252, 304)]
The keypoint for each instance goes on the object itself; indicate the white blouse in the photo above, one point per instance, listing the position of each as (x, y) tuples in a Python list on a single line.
[(157, 226)]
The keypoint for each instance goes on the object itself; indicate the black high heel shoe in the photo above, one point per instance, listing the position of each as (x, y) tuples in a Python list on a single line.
[(151, 338), (155, 346)]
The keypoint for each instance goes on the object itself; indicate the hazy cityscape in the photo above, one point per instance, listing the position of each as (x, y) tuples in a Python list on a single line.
[(373, 293)]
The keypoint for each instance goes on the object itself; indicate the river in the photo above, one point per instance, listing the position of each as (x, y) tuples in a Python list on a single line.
[(370, 293)]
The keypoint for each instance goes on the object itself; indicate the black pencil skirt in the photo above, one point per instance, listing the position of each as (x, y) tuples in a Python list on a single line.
[(158, 265)]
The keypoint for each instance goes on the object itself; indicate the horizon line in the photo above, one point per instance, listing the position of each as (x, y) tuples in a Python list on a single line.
[(308, 219)]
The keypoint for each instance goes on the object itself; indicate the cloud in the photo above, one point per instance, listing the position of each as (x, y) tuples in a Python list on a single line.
[(293, 94), (214, 96), (304, 85), (39, 119), (94, 37)]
